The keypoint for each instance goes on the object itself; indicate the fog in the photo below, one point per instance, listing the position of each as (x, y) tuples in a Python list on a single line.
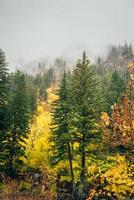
[(44, 29)]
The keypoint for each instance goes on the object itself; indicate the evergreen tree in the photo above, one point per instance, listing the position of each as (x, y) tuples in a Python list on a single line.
[(3, 102), (116, 89), (50, 77), (83, 92), (61, 126), (18, 124), (32, 93)]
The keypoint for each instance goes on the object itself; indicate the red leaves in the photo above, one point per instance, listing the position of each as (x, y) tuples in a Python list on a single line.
[(122, 123)]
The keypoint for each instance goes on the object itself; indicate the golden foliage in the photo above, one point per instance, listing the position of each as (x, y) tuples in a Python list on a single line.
[(117, 178), (38, 145), (51, 92), (105, 119)]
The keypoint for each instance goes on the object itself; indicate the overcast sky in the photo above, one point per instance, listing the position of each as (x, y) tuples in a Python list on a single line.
[(30, 29)]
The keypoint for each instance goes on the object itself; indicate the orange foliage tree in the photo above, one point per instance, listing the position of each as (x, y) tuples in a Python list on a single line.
[(122, 123), (119, 128)]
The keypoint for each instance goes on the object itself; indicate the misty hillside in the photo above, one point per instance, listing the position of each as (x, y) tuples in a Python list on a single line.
[(68, 132), (66, 100)]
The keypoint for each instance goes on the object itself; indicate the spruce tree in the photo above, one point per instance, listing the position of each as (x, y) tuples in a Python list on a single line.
[(61, 126), (18, 124), (3, 102), (32, 93), (83, 92), (116, 89)]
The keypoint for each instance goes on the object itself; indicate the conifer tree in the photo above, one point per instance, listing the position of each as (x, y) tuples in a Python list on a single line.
[(32, 93), (116, 89), (61, 126), (18, 124), (3, 102), (83, 92)]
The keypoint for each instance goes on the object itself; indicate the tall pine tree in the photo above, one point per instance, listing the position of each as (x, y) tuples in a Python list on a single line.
[(61, 126), (83, 92), (18, 124), (116, 89), (3, 102)]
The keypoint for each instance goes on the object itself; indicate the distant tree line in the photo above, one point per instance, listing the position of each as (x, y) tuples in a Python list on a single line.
[(120, 51), (89, 117)]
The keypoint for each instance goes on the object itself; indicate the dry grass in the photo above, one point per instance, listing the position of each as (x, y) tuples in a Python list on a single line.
[(11, 191)]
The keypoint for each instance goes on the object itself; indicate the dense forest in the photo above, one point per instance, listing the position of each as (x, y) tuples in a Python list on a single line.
[(67, 133)]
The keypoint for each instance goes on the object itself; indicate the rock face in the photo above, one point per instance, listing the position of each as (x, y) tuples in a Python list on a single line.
[(36, 179), (104, 197), (66, 191), (70, 191)]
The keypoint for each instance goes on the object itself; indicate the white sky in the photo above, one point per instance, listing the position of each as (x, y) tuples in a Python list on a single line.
[(30, 29)]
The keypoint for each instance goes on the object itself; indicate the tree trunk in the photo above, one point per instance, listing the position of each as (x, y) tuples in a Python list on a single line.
[(10, 168), (83, 161), (70, 161)]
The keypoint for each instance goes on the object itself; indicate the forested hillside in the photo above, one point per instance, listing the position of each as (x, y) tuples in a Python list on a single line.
[(68, 133)]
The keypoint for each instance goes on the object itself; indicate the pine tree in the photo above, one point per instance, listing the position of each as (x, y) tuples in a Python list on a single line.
[(32, 93), (83, 92), (116, 89), (61, 126), (3, 102), (18, 124)]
